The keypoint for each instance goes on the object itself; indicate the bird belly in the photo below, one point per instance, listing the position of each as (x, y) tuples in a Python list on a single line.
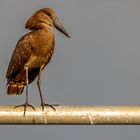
[(37, 62)]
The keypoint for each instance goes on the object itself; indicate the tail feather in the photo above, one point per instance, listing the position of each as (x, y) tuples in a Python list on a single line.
[(14, 89)]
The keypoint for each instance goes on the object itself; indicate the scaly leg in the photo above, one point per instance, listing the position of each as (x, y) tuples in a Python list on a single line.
[(26, 101), (40, 93)]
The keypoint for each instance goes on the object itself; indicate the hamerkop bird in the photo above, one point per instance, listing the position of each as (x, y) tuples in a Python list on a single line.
[(32, 53)]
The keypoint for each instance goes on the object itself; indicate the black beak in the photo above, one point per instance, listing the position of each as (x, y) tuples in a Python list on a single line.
[(60, 27)]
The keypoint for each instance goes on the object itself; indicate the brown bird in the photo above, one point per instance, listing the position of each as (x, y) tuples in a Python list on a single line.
[(32, 53)]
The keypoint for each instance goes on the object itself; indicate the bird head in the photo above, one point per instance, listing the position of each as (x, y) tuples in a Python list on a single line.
[(43, 18)]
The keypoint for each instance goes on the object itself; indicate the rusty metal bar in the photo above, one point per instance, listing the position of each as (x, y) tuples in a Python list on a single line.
[(72, 115)]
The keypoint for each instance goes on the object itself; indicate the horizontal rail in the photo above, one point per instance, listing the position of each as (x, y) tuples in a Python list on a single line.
[(72, 115)]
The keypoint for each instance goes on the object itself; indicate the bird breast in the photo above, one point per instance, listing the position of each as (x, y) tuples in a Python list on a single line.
[(42, 42)]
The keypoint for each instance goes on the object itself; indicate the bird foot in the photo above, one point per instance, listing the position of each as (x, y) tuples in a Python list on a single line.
[(51, 106), (25, 107)]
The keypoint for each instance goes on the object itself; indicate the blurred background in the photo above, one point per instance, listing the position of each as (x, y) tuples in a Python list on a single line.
[(98, 65)]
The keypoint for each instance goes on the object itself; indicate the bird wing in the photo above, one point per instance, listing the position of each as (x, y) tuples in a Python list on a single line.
[(19, 57)]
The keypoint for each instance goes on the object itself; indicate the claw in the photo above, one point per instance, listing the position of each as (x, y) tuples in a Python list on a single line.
[(51, 106), (25, 107)]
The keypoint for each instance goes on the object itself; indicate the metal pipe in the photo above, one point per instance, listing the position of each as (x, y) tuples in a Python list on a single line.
[(72, 115)]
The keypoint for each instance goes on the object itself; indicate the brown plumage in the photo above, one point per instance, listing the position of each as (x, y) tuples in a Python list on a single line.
[(32, 53)]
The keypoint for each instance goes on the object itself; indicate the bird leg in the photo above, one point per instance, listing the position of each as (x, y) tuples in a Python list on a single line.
[(26, 101), (40, 93)]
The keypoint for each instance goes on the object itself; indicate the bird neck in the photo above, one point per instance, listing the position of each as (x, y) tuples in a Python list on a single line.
[(40, 26)]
